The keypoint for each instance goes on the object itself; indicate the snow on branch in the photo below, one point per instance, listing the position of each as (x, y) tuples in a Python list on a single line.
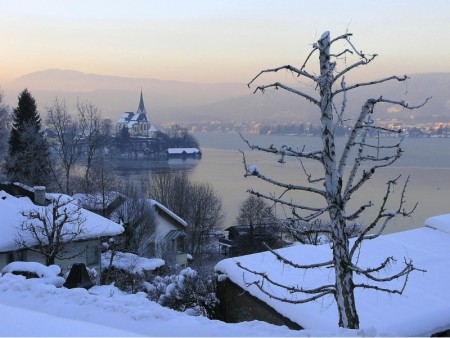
[(317, 292), (299, 266), (285, 150), (254, 171)]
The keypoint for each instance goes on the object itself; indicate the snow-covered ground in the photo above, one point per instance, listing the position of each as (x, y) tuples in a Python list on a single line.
[(32, 309)]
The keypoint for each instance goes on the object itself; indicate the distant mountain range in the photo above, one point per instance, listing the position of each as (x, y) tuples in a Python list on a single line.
[(194, 102)]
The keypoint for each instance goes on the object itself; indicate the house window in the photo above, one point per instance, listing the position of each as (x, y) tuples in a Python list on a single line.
[(180, 244), (14, 256), (20, 255), (92, 255), (10, 257)]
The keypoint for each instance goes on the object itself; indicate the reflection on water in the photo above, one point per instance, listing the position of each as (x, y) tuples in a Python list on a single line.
[(426, 160), (144, 167)]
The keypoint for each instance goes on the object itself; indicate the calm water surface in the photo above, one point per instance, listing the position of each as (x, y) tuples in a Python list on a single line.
[(427, 161)]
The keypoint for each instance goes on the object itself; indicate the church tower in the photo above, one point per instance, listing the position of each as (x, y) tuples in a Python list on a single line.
[(137, 123), (141, 108)]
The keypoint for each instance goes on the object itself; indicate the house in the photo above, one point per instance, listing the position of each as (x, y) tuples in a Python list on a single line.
[(136, 123), (170, 232), (184, 152), (423, 309), (16, 199), (169, 236), (244, 239), (102, 204)]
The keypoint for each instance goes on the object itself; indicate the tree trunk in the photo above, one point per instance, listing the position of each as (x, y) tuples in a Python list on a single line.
[(344, 296), (49, 260), (345, 300)]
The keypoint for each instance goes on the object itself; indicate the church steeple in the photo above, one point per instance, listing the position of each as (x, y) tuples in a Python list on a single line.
[(141, 109)]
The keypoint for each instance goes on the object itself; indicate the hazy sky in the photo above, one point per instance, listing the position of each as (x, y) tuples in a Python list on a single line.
[(214, 41)]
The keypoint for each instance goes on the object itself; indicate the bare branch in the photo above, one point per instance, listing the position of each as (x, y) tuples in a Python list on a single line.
[(287, 186), (289, 204), (363, 84), (277, 85), (409, 267), (298, 266), (299, 72), (285, 151), (318, 292), (362, 62), (384, 215), (309, 176)]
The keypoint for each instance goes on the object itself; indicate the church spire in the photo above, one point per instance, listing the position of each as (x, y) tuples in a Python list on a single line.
[(141, 109)]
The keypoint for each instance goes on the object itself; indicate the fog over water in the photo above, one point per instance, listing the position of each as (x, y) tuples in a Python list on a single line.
[(427, 161)]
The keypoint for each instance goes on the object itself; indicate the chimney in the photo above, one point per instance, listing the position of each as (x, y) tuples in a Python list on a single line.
[(39, 195)]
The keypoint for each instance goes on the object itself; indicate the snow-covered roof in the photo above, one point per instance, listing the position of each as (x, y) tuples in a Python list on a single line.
[(125, 117), (95, 201), (139, 117), (11, 208), (441, 222), (130, 262), (168, 212), (182, 150), (423, 308), (152, 129)]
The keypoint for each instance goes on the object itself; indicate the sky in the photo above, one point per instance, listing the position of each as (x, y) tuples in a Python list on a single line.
[(214, 40)]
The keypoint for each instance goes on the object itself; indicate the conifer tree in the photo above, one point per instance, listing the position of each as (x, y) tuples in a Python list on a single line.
[(28, 156)]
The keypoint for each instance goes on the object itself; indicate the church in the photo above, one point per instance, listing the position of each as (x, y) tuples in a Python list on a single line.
[(136, 137), (137, 124)]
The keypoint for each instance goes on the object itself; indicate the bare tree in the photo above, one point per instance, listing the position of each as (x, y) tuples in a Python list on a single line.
[(197, 203), (172, 190), (48, 230), (342, 174), (94, 131), (68, 143), (205, 215), (179, 137), (104, 182), (138, 217), (263, 226)]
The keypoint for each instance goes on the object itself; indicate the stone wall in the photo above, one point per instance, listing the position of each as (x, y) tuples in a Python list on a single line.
[(236, 306)]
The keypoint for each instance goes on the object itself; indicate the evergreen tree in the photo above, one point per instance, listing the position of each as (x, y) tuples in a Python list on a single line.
[(28, 156)]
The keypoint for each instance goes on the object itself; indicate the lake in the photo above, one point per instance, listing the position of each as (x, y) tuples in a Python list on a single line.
[(426, 160)]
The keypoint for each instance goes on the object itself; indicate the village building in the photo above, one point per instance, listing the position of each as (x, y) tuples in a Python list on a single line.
[(168, 239), (137, 124), (16, 199), (184, 152), (422, 310)]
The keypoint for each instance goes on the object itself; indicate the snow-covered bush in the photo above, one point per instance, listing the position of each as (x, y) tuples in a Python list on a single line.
[(43, 274), (187, 292), (129, 271)]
